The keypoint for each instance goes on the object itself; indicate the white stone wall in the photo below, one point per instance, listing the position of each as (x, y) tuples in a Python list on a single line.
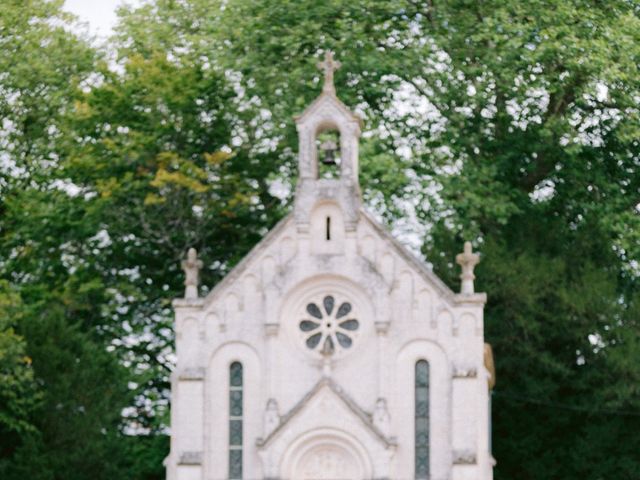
[(405, 314)]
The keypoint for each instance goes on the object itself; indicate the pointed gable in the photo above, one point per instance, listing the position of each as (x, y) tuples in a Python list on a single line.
[(324, 396), (328, 318), (324, 107)]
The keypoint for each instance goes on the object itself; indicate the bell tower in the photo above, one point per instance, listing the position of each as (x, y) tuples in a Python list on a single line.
[(330, 351), (328, 156)]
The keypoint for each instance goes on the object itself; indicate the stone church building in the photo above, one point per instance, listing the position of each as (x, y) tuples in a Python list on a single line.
[(330, 352)]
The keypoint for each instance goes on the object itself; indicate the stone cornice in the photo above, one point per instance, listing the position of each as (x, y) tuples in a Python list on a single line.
[(464, 372), (196, 373), (462, 299), (188, 303), (190, 458), (464, 457)]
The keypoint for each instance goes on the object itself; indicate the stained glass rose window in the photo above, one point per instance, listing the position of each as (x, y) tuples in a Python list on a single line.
[(328, 326)]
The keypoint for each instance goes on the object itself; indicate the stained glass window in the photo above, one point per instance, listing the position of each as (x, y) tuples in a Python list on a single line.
[(235, 421), (328, 326), (422, 420)]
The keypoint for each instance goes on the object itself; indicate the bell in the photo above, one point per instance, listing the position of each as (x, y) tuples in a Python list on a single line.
[(329, 147)]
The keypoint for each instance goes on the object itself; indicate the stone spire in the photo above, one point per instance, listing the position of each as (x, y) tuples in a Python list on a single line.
[(191, 267), (467, 260), (329, 66)]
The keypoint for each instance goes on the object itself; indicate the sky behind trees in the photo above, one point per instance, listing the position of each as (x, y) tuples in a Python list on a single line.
[(99, 14)]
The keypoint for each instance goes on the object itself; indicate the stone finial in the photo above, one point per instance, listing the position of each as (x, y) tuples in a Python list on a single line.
[(329, 66), (381, 417), (467, 260), (271, 417), (191, 267)]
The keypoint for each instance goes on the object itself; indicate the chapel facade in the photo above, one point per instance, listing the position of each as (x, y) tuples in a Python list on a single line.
[(330, 352)]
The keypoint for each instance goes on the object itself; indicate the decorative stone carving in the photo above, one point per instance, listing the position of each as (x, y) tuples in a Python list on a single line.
[(214, 320), (464, 457), (387, 267), (193, 373), (467, 260), (191, 267), (465, 325), (231, 308), (381, 417), (444, 320), (329, 66), (382, 328), (328, 113), (465, 372), (190, 458), (329, 325), (328, 462), (405, 315), (271, 329), (271, 417)]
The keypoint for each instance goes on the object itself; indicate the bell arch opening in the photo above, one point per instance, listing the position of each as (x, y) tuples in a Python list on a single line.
[(328, 152)]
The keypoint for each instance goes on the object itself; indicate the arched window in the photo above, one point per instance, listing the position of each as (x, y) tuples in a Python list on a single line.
[(421, 419), (235, 421)]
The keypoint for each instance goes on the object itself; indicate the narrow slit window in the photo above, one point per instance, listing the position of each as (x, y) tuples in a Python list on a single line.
[(421, 387), (235, 420), (328, 228)]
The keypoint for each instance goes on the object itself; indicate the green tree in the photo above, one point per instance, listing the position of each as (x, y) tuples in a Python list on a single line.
[(19, 393), (513, 124), (164, 162), (157, 155), (42, 66), (62, 392)]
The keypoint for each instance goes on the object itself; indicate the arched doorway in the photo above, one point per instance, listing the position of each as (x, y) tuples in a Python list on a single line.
[(326, 455)]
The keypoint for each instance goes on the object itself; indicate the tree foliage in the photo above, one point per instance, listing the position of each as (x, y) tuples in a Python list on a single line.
[(512, 124)]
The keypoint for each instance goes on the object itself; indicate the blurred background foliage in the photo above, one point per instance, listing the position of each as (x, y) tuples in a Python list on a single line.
[(512, 124)]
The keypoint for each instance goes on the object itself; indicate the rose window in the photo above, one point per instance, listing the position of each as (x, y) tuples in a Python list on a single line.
[(329, 326)]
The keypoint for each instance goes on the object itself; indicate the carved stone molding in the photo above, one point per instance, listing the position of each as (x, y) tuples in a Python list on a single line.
[(464, 457), (195, 373), (271, 329), (382, 328), (465, 372), (463, 299), (190, 458), (186, 303)]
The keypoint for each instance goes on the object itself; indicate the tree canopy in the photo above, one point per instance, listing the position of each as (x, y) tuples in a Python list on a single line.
[(512, 124)]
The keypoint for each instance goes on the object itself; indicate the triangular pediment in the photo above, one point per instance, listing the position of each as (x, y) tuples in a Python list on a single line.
[(417, 265), (331, 104), (327, 400)]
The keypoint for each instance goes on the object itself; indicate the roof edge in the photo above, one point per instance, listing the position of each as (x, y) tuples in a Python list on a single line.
[(341, 394), (244, 263), (419, 264), (339, 103)]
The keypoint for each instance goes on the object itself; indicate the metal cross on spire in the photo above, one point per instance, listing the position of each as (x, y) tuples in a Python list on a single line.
[(329, 66)]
